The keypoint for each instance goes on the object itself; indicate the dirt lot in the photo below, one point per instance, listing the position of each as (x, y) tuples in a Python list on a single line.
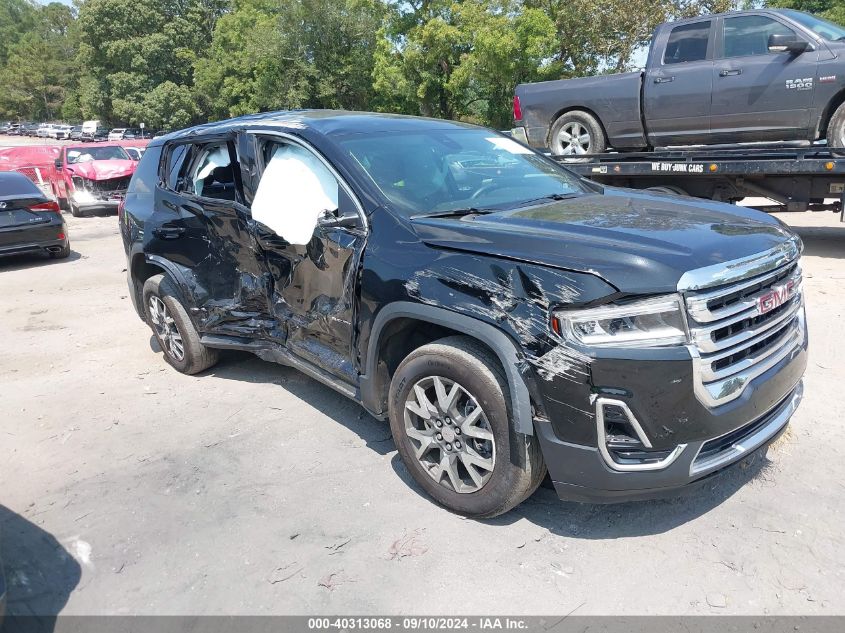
[(252, 489)]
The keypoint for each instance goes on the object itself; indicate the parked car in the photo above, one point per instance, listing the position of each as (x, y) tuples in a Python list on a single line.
[(121, 133), (736, 77), (92, 177), (30, 222), (98, 134), (75, 133), (61, 132), (44, 130), (30, 129), (505, 315)]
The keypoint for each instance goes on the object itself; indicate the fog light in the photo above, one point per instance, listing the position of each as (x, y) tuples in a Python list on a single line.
[(622, 442)]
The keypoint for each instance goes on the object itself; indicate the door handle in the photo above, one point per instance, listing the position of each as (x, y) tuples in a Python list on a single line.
[(169, 232), (730, 72), (663, 80), (194, 209)]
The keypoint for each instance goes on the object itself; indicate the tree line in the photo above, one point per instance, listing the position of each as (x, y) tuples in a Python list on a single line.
[(172, 63)]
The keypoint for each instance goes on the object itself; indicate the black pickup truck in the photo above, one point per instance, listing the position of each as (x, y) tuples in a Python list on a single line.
[(505, 315), (752, 76)]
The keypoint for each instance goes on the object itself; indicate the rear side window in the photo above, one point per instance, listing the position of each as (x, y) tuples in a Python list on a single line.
[(14, 184), (749, 35), (146, 174), (687, 43), (212, 173)]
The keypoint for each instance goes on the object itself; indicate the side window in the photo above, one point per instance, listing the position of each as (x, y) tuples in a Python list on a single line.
[(211, 174), (295, 190), (749, 35), (687, 43), (178, 157)]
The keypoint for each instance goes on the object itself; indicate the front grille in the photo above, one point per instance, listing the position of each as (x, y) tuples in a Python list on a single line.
[(110, 186), (741, 330)]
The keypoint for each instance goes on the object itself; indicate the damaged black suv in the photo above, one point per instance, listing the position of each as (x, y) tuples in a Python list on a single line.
[(506, 316)]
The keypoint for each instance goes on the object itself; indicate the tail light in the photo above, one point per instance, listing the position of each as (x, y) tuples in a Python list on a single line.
[(52, 205), (517, 109)]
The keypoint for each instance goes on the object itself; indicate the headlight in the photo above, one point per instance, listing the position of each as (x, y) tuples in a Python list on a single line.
[(83, 196), (651, 323)]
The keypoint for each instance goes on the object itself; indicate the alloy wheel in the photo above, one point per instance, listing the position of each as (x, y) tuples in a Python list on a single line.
[(573, 138), (166, 329), (450, 434)]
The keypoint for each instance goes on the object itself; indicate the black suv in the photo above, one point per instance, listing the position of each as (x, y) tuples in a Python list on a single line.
[(506, 316)]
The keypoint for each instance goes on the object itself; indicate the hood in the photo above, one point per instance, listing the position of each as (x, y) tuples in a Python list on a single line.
[(103, 169), (642, 243)]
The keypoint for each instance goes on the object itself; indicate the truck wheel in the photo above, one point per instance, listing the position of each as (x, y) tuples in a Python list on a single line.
[(173, 329), (675, 191), (575, 133), (450, 419), (75, 210), (836, 128)]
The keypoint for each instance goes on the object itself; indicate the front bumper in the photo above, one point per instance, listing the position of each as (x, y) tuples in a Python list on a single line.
[(657, 389), (91, 205), (579, 473)]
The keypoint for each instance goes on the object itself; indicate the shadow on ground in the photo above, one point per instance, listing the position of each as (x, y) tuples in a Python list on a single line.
[(9, 263), (40, 575), (573, 520), (823, 241)]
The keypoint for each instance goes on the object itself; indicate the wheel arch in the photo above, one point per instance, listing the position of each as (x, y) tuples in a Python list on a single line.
[(143, 266), (495, 339), (574, 108), (827, 114)]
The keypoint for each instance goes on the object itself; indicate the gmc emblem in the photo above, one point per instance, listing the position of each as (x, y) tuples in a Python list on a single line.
[(777, 296)]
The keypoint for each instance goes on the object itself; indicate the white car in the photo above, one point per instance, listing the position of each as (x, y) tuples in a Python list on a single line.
[(45, 130), (60, 132), (117, 134)]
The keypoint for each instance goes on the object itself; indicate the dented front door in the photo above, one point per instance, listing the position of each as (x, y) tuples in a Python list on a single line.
[(311, 258)]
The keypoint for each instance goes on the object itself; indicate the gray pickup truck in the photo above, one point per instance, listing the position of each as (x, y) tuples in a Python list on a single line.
[(751, 76)]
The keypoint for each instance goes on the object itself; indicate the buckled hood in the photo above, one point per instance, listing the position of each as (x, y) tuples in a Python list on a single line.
[(642, 243), (103, 169)]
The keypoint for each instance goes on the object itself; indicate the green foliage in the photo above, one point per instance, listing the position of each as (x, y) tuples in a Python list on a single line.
[(276, 54), (833, 10), (461, 60), (36, 70), (171, 63)]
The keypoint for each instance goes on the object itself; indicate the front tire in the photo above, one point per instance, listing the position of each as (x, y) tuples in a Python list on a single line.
[(450, 418), (75, 211), (173, 329), (836, 128), (575, 133)]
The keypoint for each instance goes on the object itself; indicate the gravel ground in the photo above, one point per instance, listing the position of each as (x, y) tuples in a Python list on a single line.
[(127, 488)]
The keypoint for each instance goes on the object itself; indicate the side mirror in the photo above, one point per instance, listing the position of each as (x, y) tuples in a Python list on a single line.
[(333, 219), (782, 43), (58, 163)]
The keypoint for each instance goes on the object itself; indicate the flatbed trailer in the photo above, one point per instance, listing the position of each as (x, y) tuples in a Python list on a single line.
[(795, 178)]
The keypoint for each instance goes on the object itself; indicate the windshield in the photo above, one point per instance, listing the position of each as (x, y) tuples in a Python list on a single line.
[(823, 28), (438, 171), (82, 155)]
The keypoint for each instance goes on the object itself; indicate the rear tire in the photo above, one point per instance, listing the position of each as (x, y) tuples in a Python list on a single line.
[(471, 462), (75, 211), (173, 329), (836, 128), (575, 133), (62, 254)]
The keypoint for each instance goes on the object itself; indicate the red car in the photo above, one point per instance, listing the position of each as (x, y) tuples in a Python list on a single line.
[(92, 177)]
